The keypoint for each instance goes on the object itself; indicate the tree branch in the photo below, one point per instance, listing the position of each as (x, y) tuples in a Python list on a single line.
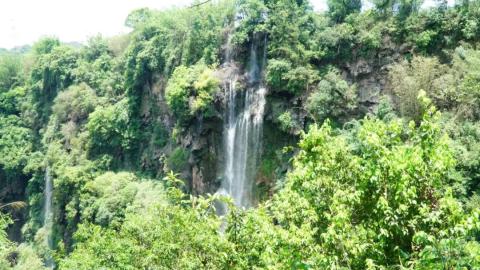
[(199, 4)]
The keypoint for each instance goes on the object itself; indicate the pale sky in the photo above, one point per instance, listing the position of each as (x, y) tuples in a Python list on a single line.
[(25, 21)]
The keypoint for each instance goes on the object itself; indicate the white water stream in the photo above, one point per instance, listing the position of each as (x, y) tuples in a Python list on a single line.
[(48, 216), (243, 132)]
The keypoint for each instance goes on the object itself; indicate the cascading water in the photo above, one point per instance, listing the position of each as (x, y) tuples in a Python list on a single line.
[(47, 219), (243, 132), (48, 216)]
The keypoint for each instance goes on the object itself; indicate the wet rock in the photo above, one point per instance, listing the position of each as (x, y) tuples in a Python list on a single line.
[(198, 184)]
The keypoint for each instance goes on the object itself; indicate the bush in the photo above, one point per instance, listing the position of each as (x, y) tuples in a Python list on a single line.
[(407, 79), (281, 76), (162, 236), (333, 98), (190, 92), (10, 71), (286, 121), (300, 79), (16, 142), (276, 71), (109, 129), (11, 101), (109, 197), (338, 10), (75, 103), (377, 198)]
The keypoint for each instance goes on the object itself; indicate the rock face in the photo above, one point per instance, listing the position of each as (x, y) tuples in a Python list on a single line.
[(370, 74), (12, 189), (203, 140), (192, 150), (214, 160)]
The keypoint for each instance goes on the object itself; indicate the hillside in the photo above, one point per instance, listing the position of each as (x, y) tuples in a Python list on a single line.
[(249, 134)]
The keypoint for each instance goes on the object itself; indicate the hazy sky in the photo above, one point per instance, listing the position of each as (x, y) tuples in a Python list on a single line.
[(25, 21)]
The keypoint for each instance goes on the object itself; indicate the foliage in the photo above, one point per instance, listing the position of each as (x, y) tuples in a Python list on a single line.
[(16, 257), (45, 45), (106, 199), (466, 62), (281, 76), (11, 101), (5, 244), (339, 10), (466, 136), (165, 40), (162, 237), (360, 203), (15, 142), (53, 71), (377, 193), (333, 98), (109, 129), (190, 92), (28, 259), (71, 180), (358, 210), (286, 121), (253, 13), (99, 69), (290, 25), (74, 104), (403, 8), (453, 88), (426, 74), (385, 109), (10, 71)]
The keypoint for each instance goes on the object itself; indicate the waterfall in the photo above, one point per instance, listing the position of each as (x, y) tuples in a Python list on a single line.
[(48, 216), (243, 132)]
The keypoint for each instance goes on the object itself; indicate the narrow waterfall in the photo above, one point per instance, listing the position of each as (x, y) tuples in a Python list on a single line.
[(243, 132), (48, 216), (47, 219)]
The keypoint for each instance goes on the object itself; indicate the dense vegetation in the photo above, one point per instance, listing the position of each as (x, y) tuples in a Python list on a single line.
[(371, 157)]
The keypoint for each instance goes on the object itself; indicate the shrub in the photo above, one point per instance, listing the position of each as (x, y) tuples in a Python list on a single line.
[(333, 98), (109, 129), (281, 76), (286, 121), (190, 92), (75, 103), (109, 197)]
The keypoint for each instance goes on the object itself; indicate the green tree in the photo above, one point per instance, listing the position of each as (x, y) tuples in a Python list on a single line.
[(45, 45), (401, 7), (190, 92), (13, 256), (427, 74), (109, 197), (74, 104), (340, 9), (16, 142), (182, 234), (378, 197), (10, 71), (52, 71), (333, 98), (110, 130), (5, 244)]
